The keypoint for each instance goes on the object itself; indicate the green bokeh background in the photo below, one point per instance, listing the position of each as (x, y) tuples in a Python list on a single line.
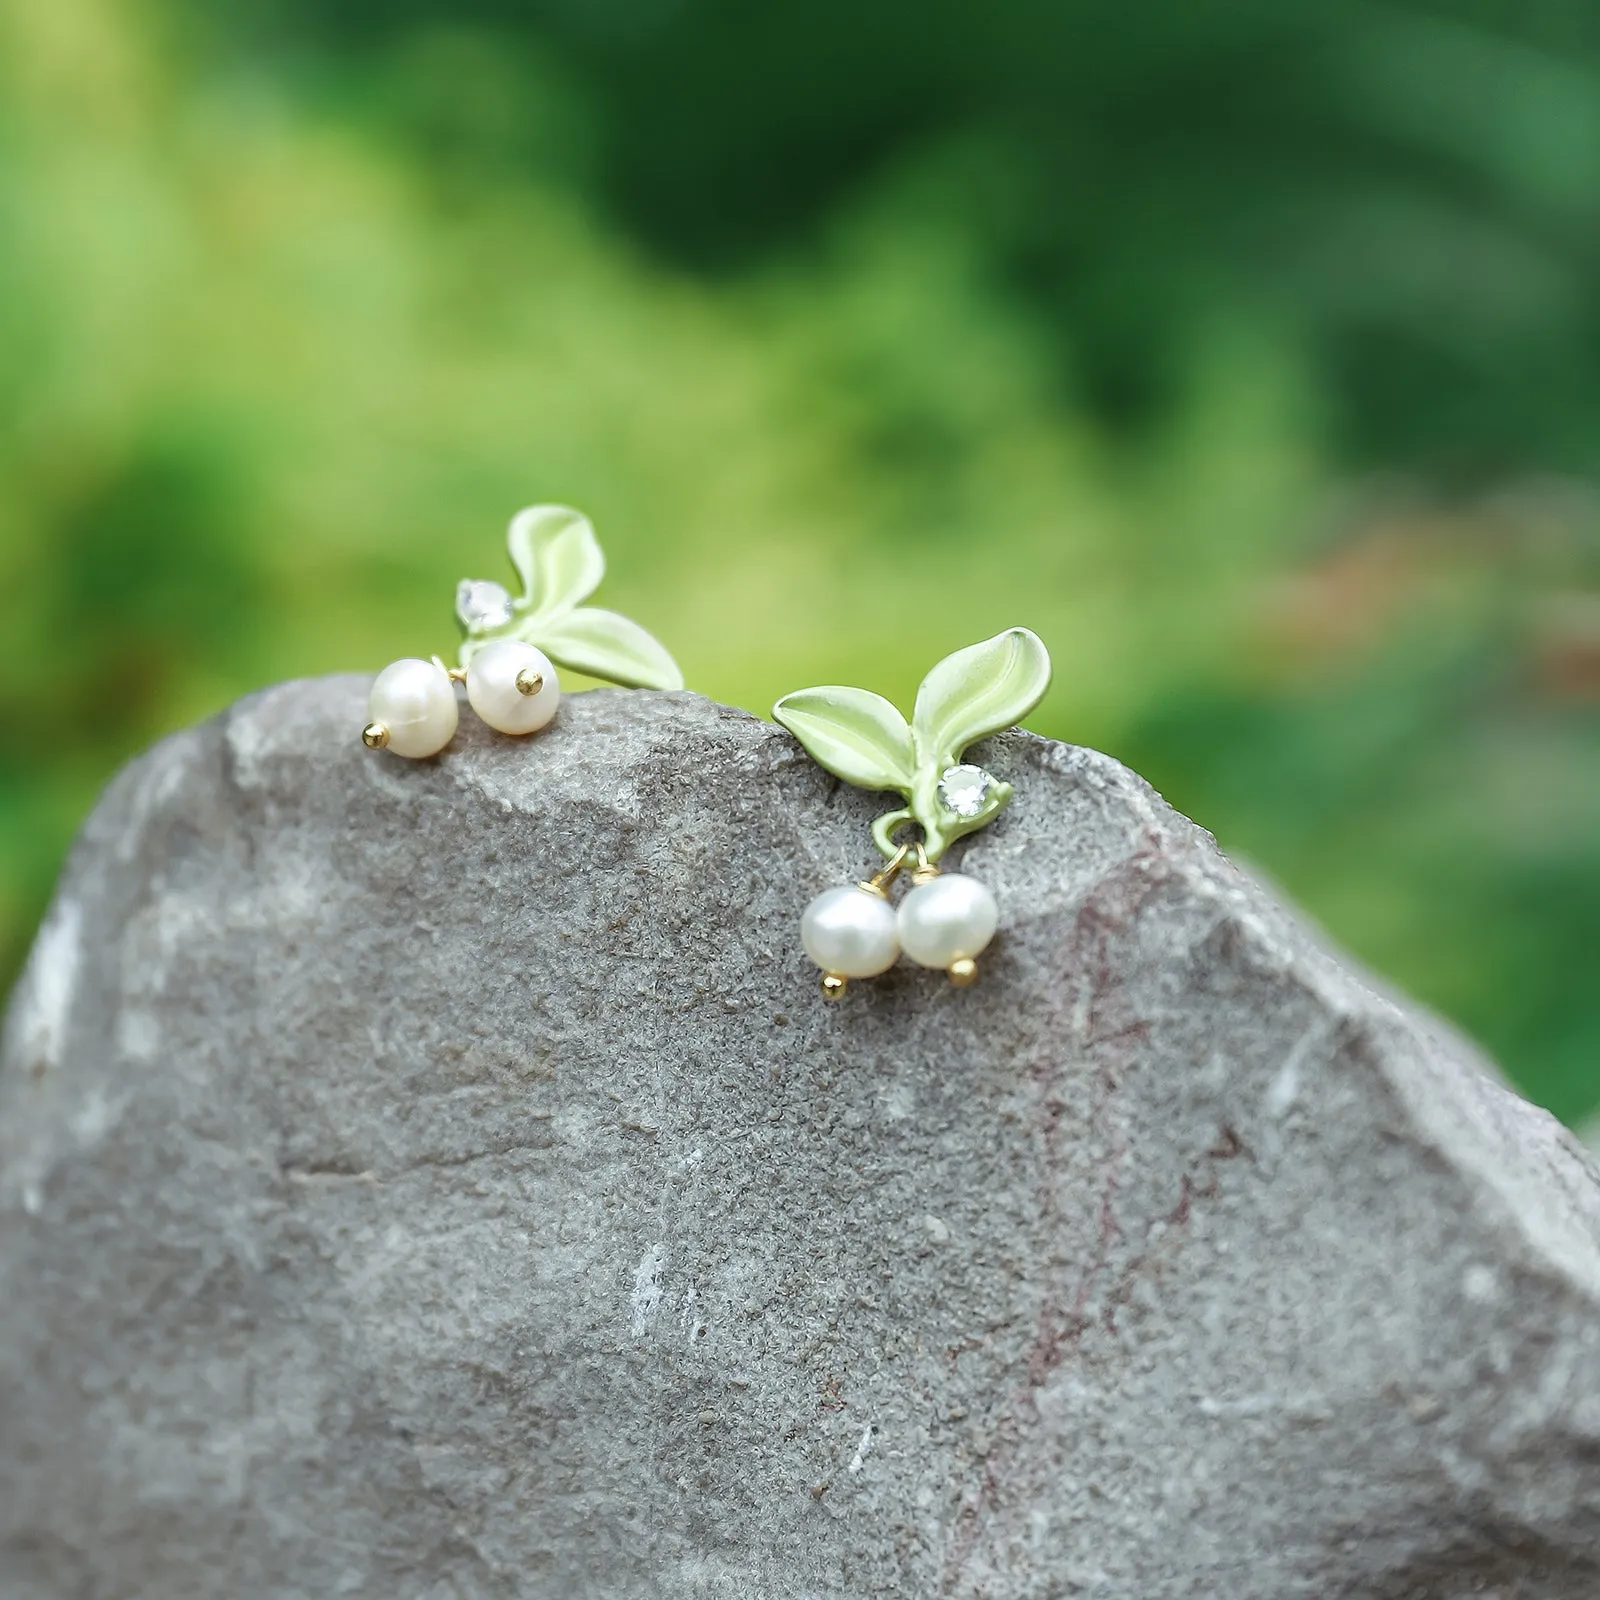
[(1248, 350)]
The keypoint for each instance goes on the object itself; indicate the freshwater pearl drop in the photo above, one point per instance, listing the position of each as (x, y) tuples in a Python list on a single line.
[(948, 919), (416, 701), (492, 686), (850, 932)]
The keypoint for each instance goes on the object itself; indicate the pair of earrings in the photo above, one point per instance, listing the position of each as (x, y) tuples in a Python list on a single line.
[(508, 660)]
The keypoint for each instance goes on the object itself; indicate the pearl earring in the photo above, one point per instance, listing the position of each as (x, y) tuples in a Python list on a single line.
[(948, 918), (509, 655)]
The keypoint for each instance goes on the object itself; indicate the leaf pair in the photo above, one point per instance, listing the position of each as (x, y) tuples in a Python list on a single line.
[(560, 563), (862, 738)]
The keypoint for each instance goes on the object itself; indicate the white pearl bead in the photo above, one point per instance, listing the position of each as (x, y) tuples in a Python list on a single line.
[(850, 932), (492, 686), (948, 919), (416, 702)]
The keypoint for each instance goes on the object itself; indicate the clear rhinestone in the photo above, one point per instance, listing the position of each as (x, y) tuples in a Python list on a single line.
[(965, 790), (482, 605)]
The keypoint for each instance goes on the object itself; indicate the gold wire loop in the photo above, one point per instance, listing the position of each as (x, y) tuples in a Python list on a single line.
[(924, 871), (880, 880)]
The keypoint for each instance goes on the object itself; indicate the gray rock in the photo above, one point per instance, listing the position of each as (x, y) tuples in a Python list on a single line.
[(444, 1180)]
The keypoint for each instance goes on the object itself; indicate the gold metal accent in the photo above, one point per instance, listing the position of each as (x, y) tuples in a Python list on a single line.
[(964, 973), (529, 682), (456, 674), (926, 871), (834, 986), (374, 736), (879, 882)]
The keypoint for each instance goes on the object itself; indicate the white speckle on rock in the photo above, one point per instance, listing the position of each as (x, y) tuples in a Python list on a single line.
[(899, 1101), (1583, 1418), (1425, 1408), (1480, 1285), (863, 1449), (138, 1035), (291, 891), (256, 740), (647, 1289), (155, 782), (938, 1231), (96, 1117), (1065, 1398), (1284, 1089), (43, 1007)]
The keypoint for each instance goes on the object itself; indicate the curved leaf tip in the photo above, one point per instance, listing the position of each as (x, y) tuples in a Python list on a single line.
[(557, 556), (978, 691)]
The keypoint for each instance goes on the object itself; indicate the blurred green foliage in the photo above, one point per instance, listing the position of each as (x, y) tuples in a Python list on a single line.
[(1244, 350)]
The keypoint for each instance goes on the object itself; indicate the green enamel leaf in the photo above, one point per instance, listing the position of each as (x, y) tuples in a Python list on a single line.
[(979, 691), (856, 735), (605, 645), (557, 556)]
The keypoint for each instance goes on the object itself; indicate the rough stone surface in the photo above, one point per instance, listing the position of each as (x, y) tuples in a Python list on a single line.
[(443, 1180)]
